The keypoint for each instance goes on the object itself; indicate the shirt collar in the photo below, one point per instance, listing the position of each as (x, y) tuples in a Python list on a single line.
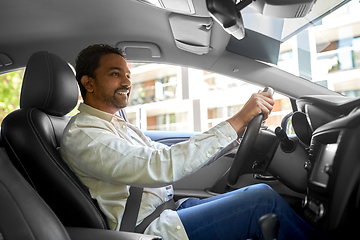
[(84, 108)]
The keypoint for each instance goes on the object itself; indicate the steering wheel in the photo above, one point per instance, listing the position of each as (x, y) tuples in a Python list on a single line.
[(245, 149)]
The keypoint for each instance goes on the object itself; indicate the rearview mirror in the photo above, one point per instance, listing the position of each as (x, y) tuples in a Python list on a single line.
[(226, 13)]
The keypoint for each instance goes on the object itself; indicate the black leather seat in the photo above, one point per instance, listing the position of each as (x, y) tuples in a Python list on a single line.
[(24, 215), (31, 137)]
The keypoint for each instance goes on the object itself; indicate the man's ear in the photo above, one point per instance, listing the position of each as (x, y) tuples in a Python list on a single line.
[(87, 82)]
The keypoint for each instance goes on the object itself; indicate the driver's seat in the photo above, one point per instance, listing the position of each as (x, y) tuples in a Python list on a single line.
[(32, 134)]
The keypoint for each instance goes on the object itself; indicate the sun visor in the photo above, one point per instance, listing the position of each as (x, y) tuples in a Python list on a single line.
[(191, 34), (256, 46)]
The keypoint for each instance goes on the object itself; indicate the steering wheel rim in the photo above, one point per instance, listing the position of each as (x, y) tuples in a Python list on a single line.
[(244, 149)]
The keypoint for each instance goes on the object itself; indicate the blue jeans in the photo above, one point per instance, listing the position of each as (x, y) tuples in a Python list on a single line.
[(235, 215)]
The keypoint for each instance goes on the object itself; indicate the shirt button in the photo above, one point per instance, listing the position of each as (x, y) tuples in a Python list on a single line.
[(123, 126), (208, 155), (178, 227), (229, 138)]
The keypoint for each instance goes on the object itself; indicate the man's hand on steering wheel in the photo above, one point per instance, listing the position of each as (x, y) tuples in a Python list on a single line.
[(261, 102), (250, 117)]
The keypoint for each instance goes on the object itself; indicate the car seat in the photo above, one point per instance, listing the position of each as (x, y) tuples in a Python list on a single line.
[(31, 136), (25, 215)]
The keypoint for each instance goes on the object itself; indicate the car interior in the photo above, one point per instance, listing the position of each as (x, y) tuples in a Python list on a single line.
[(315, 169)]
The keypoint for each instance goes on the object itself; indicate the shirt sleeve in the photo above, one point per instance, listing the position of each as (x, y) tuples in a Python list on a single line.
[(98, 152)]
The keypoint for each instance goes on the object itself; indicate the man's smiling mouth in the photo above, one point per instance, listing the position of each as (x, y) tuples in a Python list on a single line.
[(123, 91)]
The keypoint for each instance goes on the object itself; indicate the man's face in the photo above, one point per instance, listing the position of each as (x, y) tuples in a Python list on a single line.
[(112, 83)]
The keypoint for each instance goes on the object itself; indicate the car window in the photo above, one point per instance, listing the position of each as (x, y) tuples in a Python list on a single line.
[(170, 98), (10, 87), (328, 52), (174, 98), (10, 84)]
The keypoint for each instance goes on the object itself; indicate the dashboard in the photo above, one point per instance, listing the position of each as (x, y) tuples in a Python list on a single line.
[(329, 127)]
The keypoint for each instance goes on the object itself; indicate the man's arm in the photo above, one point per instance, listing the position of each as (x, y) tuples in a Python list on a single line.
[(98, 152)]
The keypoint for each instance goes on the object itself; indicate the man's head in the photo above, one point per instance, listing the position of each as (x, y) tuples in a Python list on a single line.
[(103, 77)]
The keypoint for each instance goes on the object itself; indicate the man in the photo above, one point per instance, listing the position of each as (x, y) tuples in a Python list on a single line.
[(109, 155)]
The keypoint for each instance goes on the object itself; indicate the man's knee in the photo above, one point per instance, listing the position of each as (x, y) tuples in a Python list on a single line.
[(263, 185), (264, 193), (259, 186)]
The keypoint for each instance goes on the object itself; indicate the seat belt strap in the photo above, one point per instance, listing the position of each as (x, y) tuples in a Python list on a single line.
[(145, 223), (132, 206), (131, 211)]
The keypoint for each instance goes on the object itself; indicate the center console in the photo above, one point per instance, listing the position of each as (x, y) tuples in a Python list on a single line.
[(333, 168)]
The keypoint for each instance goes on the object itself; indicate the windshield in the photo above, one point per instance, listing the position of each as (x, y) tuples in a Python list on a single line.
[(328, 51)]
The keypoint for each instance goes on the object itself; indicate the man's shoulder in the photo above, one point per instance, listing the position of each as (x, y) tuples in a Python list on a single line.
[(87, 121), (83, 126)]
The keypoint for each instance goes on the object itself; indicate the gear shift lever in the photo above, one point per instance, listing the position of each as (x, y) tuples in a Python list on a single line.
[(269, 226)]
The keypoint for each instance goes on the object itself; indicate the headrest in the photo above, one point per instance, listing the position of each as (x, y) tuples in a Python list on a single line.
[(49, 85)]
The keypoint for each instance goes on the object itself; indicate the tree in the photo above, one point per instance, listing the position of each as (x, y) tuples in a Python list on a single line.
[(10, 84)]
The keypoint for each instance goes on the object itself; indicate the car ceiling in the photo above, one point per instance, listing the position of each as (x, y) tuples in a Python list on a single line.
[(67, 26)]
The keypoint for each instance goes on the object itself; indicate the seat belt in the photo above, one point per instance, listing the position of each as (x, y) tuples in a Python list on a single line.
[(131, 212), (145, 223)]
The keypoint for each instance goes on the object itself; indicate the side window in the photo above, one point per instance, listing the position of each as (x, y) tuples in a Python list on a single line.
[(174, 98), (10, 85), (10, 88), (169, 98)]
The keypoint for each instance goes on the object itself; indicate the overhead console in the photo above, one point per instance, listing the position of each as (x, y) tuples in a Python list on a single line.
[(333, 166), (227, 12), (284, 8)]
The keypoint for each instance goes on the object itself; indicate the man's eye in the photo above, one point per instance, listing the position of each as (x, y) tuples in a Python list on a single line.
[(115, 74)]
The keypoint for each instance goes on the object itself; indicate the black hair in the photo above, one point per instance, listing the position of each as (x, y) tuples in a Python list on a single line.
[(88, 61)]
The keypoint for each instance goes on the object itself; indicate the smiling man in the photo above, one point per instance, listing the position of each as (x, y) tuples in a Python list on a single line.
[(109, 155), (111, 91)]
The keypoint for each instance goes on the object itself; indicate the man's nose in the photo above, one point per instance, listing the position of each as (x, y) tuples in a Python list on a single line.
[(126, 82)]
